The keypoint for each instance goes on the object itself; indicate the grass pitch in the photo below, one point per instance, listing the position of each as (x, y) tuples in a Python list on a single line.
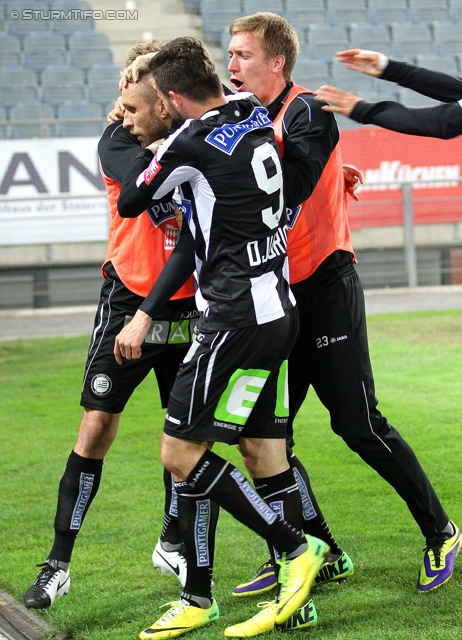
[(115, 592)]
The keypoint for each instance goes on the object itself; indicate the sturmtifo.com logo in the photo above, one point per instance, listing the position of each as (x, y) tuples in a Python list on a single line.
[(73, 14), (101, 384)]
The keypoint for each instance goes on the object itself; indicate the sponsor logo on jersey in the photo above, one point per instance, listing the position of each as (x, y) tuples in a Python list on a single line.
[(101, 384), (227, 137), (171, 235), (201, 531), (160, 212), (86, 485), (152, 171), (292, 216), (186, 209)]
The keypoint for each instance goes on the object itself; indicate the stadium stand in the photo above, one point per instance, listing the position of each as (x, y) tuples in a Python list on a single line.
[(63, 61), (49, 72)]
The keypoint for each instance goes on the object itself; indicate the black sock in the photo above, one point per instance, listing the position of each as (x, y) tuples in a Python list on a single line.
[(77, 489), (314, 522), (198, 519), (281, 493), (215, 478), (170, 529)]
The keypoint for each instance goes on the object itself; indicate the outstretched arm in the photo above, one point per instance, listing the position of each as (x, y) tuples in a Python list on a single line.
[(444, 121), (433, 84)]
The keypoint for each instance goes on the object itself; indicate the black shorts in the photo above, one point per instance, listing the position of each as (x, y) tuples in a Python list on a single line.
[(107, 386), (233, 384)]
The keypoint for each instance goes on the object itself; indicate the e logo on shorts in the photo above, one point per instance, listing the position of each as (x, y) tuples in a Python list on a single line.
[(101, 384), (240, 396)]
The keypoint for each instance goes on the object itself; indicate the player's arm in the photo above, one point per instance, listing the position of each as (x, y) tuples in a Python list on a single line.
[(443, 121), (310, 135), (433, 84), (154, 178), (174, 275), (117, 149)]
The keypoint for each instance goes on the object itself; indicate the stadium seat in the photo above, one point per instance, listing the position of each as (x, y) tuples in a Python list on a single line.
[(446, 64), (215, 18), (373, 96), (426, 11), (411, 39), (13, 94), (306, 12), (415, 100), (104, 92), (341, 12), (10, 59), (459, 62), (448, 37), (44, 48), (311, 73), (386, 11), (103, 73), (9, 43), (224, 41), (350, 81), (325, 40), (306, 17), (18, 75), (85, 39), (455, 10), (86, 58), (254, 6), (23, 26), (78, 110), (57, 94), (67, 27), (32, 111), (371, 36), (61, 74)]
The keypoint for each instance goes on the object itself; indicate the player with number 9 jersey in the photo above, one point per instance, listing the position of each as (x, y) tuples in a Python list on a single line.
[(238, 217)]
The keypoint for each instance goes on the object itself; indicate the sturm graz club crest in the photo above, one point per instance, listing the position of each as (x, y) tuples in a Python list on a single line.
[(101, 384)]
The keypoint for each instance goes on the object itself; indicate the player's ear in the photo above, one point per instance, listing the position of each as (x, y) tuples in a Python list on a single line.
[(163, 113), (279, 62)]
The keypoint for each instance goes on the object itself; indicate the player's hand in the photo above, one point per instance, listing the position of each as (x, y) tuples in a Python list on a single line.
[(352, 177), (155, 145), (372, 63), (132, 70), (339, 101), (117, 113), (178, 216), (128, 342)]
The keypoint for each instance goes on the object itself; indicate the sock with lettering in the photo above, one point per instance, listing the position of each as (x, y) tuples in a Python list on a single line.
[(314, 522), (282, 494), (217, 479), (171, 529), (198, 519), (77, 489)]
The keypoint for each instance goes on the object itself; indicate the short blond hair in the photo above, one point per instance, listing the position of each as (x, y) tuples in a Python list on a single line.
[(277, 37)]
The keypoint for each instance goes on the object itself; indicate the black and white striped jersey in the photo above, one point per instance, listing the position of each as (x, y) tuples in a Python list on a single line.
[(228, 170)]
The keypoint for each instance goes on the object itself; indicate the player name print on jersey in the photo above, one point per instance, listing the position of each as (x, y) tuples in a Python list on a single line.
[(227, 137)]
